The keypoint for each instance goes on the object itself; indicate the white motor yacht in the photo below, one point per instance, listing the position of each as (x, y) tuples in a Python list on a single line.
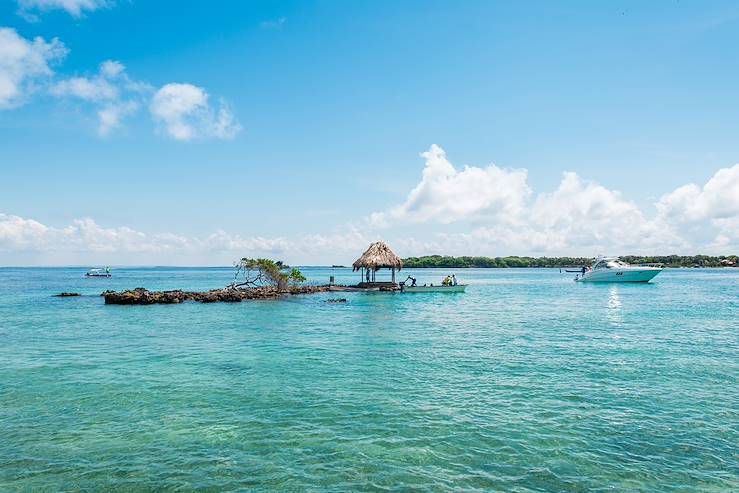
[(612, 269)]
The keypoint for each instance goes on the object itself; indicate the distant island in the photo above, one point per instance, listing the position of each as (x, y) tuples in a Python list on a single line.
[(431, 261)]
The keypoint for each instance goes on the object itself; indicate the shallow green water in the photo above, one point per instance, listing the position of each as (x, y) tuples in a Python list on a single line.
[(527, 382)]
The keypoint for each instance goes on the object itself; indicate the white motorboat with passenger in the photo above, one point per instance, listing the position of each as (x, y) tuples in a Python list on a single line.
[(448, 285), (103, 272), (613, 269)]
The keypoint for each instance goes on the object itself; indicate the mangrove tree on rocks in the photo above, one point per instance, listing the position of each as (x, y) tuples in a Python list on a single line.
[(252, 273)]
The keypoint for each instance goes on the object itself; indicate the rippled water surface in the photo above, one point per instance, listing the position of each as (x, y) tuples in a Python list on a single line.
[(527, 382)]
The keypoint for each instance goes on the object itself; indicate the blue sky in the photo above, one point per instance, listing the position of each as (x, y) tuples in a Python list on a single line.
[(307, 145)]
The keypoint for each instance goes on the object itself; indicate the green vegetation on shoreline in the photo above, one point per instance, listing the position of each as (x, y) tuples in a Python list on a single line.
[(431, 261)]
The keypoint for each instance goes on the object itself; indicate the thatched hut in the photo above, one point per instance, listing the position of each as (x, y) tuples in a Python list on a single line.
[(377, 256)]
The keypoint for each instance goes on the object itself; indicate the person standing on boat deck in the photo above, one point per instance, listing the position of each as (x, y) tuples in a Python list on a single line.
[(454, 280)]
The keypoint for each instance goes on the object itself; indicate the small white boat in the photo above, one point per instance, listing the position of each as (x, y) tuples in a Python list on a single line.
[(612, 269), (448, 286), (459, 288), (104, 272)]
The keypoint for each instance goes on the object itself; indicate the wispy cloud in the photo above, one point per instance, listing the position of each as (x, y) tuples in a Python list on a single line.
[(273, 24), (111, 92), (111, 115), (29, 9)]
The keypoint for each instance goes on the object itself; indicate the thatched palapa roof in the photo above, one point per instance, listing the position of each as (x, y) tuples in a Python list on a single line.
[(378, 256)]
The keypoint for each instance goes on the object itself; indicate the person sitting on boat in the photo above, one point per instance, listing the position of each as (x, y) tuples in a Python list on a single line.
[(447, 281), (454, 280)]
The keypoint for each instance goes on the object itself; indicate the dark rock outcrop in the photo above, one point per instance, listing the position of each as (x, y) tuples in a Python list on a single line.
[(66, 295), (142, 296)]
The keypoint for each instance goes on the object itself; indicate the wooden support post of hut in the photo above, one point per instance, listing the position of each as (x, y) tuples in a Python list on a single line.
[(378, 256)]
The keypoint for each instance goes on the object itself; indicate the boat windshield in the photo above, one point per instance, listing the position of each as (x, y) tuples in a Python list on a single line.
[(611, 263)]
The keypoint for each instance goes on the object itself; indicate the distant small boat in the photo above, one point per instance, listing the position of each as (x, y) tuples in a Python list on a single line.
[(459, 288), (104, 272)]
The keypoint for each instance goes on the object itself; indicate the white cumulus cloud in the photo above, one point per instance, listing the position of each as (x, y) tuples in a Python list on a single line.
[(17, 233), (587, 215), (183, 112), (447, 195), (718, 199), (84, 239), (23, 64), (111, 68), (707, 212), (501, 214)]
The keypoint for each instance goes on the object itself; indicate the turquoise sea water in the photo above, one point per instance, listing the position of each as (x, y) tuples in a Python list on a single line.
[(528, 382)]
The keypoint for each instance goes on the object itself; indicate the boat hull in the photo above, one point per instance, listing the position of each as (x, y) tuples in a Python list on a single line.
[(459, 288), (621, 275)]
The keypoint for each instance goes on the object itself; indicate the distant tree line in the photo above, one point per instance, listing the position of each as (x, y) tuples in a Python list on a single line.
[(440, 261)]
